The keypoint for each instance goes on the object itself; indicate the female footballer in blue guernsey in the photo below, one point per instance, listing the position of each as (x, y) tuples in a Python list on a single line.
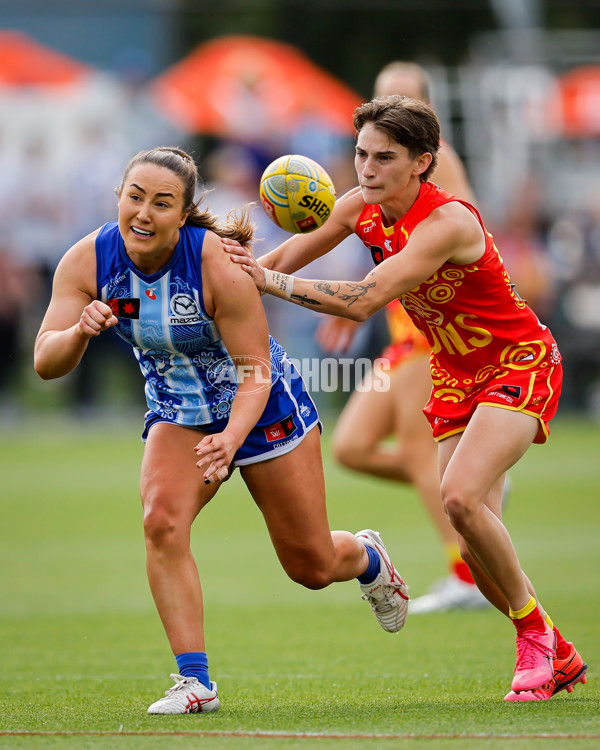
[(221, 393)]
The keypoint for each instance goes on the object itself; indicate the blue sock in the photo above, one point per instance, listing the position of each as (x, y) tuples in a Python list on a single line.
[(373, 569), (194, 664)]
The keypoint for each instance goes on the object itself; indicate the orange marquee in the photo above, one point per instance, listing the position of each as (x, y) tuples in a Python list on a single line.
[(235, 84), (25, 62)]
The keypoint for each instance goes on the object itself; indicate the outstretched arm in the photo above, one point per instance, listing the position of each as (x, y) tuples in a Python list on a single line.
[(301, 249), (333, 297), (450, 233)]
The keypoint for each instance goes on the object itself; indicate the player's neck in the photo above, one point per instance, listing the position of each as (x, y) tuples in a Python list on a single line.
[(394, 210)]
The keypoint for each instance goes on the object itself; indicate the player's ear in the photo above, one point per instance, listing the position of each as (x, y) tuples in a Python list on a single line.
[(423, 162), (183, 220)]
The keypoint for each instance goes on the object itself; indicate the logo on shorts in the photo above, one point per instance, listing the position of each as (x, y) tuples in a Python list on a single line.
[(280, 430), (512, 390)]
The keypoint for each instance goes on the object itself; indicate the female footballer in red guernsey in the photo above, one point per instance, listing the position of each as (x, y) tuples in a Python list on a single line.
[(372, 415), (496, 369)]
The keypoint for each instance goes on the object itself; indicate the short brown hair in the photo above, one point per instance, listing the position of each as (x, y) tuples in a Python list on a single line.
[(409, 122)]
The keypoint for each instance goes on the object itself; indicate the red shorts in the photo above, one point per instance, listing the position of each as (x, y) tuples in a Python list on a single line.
[(534, 392)]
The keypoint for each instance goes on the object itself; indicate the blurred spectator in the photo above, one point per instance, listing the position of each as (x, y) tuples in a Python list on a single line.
[(17, 291), (520, 241), (92, 173), (36, 207), (574, 245)]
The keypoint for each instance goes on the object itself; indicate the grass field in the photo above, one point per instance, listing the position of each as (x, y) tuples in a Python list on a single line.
[(83, 652)]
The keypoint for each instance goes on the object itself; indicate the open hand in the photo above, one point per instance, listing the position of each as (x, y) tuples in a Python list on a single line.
[(245, 258)]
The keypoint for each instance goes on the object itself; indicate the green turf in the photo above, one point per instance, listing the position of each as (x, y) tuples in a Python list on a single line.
[(83, 653)]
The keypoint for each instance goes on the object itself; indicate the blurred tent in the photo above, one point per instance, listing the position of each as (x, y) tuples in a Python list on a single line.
[(245, 87), (66, 130), (26, 63), (579, 102)]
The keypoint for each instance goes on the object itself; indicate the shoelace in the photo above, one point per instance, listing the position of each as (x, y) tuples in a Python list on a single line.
[(180, 683), (526, 649), (378, 603)]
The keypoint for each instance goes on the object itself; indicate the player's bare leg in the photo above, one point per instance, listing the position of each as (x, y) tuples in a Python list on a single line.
[(494, 440), (472, 464), (173, 492), (290, 492)]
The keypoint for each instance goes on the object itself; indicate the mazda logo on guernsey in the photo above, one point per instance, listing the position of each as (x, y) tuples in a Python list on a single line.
[(238, 369), (184, 310)]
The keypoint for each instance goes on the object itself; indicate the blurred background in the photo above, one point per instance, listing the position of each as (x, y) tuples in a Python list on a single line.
[(85, 85)]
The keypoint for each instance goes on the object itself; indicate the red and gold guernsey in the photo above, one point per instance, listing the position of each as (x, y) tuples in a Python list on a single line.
[(478, 327)]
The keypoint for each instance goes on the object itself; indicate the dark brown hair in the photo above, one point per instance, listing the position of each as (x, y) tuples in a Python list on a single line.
[(238, 225), (409, 122)]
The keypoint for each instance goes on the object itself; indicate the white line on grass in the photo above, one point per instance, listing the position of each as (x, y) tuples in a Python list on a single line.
[(305, 735)]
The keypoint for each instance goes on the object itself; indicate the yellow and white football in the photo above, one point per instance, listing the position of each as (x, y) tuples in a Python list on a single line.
[(297, 193)]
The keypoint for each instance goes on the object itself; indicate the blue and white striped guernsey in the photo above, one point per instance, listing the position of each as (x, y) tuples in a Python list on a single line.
[(190, 378)]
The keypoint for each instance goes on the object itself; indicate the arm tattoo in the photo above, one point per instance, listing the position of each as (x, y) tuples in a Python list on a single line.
[(327, 287), (333, 291), (304, 299), (359, 291)]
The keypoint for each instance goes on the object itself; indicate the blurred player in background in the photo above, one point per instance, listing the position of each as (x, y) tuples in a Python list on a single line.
[(221, 393), (371, 415), (496, 369)]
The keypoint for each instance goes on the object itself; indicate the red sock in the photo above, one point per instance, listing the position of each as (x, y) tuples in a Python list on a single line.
[(461, 570), (562, 647), (458, 567), (532, 621)]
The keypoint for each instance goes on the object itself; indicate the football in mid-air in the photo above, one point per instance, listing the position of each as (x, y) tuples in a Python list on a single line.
[(297, 193)]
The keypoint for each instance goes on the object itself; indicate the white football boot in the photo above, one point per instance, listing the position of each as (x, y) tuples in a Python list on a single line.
[(187, 696), (450, 593), (387, 594)]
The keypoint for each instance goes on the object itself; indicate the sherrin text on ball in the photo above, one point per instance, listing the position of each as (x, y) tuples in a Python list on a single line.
[(297, 193)]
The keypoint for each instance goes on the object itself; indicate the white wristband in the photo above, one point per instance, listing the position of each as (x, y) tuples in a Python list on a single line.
[(279, 284), (290, 287)]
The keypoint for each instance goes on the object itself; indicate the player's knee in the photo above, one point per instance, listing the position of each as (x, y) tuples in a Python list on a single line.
[(161, 527), (349, 452), (457, 506), (310, 576), (344, 455)]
